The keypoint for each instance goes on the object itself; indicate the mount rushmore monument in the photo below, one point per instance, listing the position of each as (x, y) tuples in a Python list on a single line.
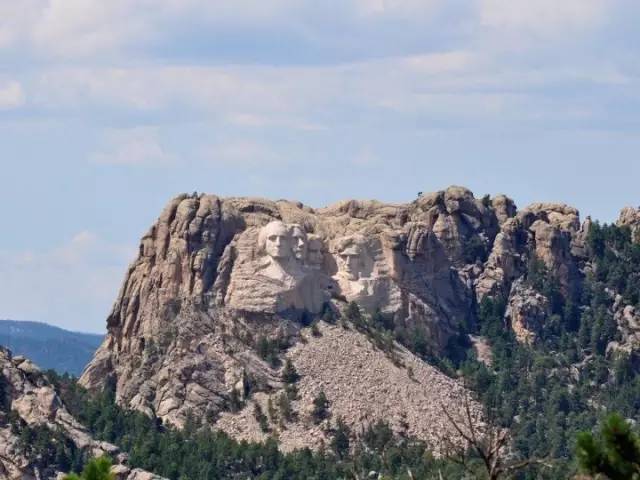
[(224, 289), (289, 270)]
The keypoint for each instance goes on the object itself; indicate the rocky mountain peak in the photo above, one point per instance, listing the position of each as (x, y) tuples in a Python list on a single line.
[(224, 289)]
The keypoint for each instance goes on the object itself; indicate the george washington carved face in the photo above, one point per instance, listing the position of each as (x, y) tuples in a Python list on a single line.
[(274, 240)]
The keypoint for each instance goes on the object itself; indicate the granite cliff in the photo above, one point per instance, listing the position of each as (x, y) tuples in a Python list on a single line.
[(28, 401), (225, 290)]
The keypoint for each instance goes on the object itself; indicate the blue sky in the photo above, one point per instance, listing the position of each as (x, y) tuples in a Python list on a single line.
[(108, 109)]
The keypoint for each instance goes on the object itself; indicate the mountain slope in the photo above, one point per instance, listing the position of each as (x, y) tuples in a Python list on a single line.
[(363, 299), (50, 346), (214, 301), (38, 436)]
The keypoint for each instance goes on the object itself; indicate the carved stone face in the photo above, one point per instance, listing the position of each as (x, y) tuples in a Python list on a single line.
[(276, 240), (351, 262), (315, 252), (299, 242)]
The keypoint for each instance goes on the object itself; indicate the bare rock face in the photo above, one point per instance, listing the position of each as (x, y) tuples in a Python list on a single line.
[(526, 312), (214, 275), (550, 232), (219, 282), (37, 403), (631, 217), (34, 399), (627, 318)]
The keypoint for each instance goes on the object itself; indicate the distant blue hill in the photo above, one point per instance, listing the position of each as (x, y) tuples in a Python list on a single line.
[(48, 346)]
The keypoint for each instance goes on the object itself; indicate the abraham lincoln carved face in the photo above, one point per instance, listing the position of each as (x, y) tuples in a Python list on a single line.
[(351, 262)]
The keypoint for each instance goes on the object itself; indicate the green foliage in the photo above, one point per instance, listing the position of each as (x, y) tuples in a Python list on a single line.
[(320, 410), (5, 404), (548, 392), (95, 469), (235, 402), (284, 406), (261, 418), (615, 452), (354, 315), (49, 450), (289, 373), (329, 315), (270, 349), (474, 249), (340, 442), (199, 453), (315, 331), (617, 260)]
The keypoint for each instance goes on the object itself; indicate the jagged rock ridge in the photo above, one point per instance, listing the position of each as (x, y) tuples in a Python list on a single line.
[(216, 278)]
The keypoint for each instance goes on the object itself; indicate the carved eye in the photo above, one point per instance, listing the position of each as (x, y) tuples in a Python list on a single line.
[(273, 238)]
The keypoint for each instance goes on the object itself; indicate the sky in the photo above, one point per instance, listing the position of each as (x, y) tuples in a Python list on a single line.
[(109, 109)]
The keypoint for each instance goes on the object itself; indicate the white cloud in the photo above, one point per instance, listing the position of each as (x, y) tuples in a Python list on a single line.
[(396, 7), (16, 21), (241, 153), (543, 16), (11, 95), (440, 63), (137, 146), (460, 86)]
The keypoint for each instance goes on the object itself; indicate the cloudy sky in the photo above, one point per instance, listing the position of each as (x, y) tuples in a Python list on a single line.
[(108, 109)]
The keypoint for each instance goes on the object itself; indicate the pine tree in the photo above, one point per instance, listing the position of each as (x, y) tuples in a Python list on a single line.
[(96, 469), (615, 453), (340, 442), (320, 410), (289, 373), (284, 404)]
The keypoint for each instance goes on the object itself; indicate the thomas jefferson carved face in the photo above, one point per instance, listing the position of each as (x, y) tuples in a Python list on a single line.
[(350, 261), (276, 240), (299, 242), (315, 252)]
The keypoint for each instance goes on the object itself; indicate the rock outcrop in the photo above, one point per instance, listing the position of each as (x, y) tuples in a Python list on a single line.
[(627, 319), (221, 286), (547, 231), (527, 311), (630, 217), (28, 393), (214, 275)]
